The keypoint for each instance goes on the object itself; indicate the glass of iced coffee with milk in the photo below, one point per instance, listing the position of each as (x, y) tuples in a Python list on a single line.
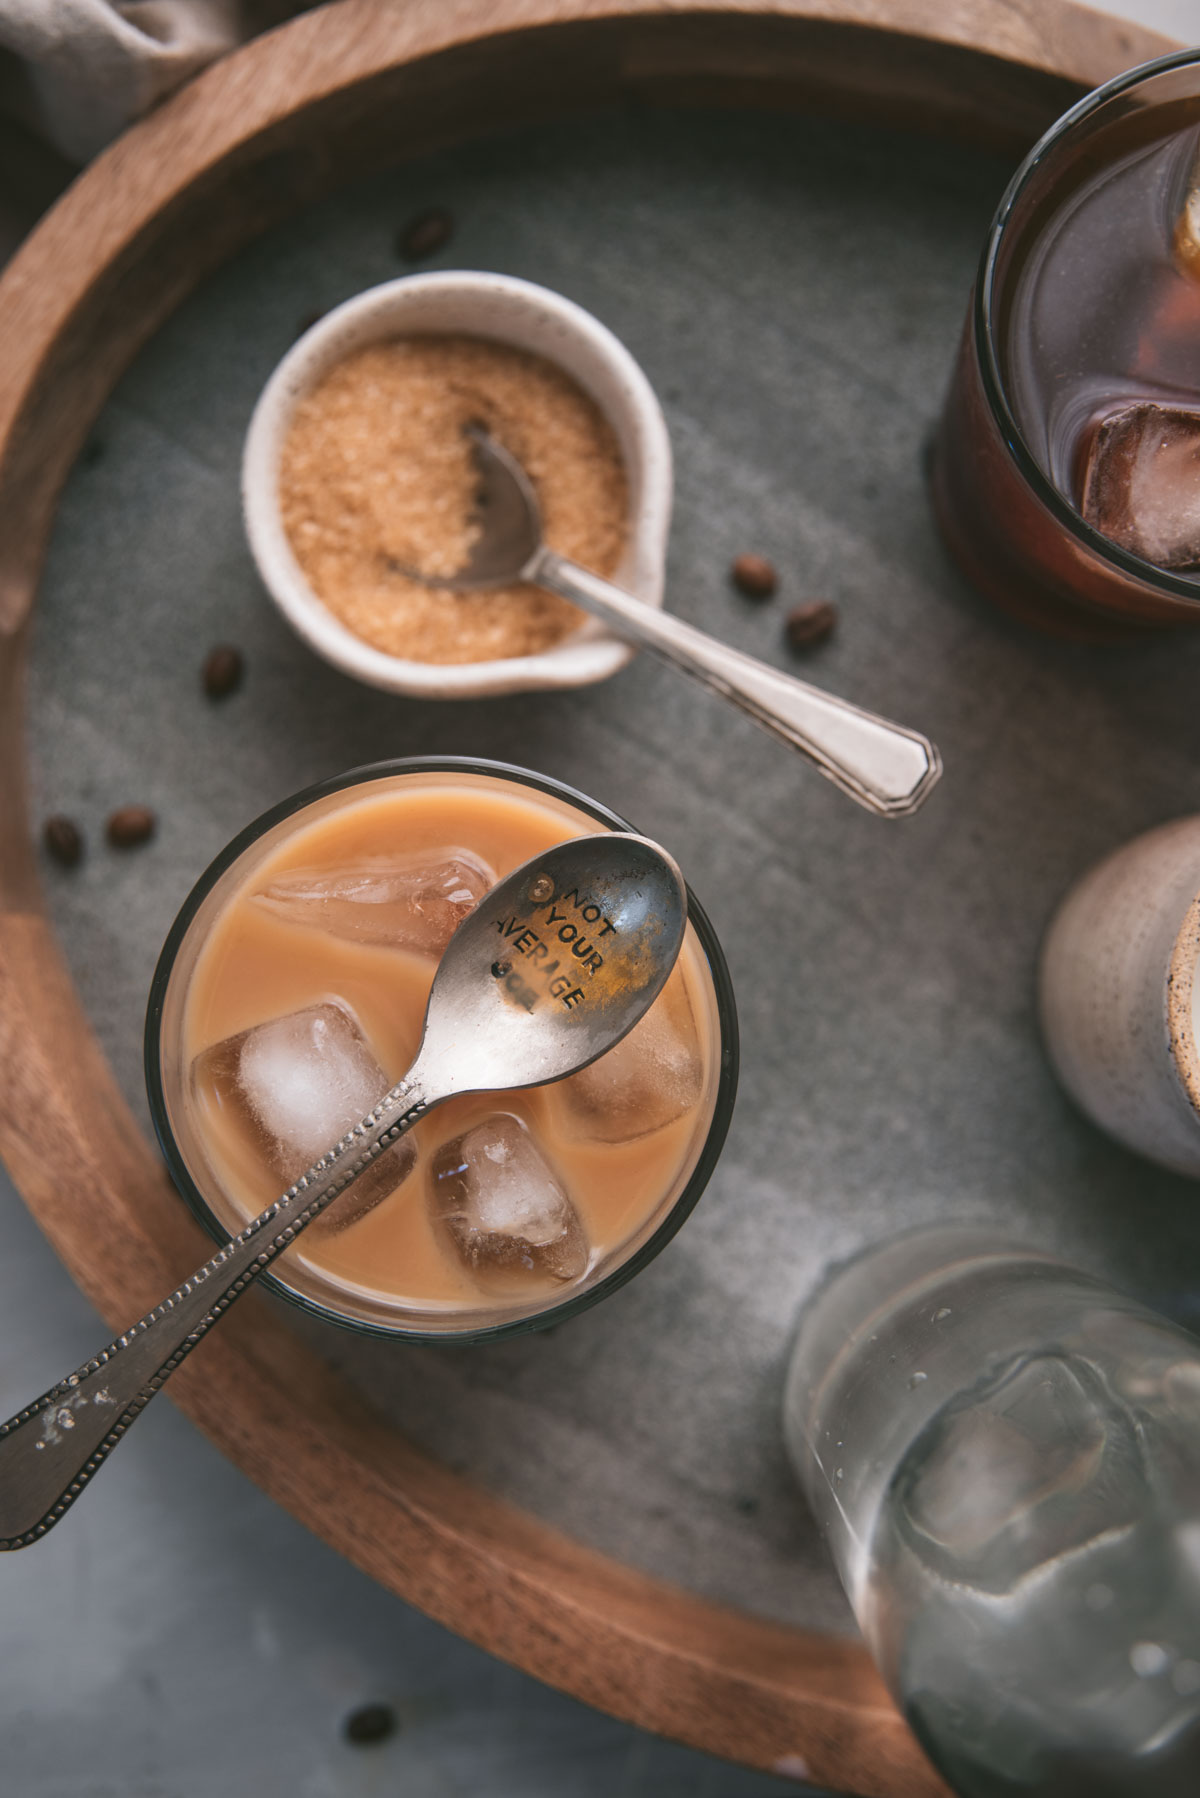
[(290, 996), (1066, 471)]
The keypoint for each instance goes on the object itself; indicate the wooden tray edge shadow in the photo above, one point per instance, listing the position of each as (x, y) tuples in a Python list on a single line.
[(251, 140)]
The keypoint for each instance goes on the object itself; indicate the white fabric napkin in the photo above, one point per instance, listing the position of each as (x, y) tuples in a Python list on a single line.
[(92, 66)]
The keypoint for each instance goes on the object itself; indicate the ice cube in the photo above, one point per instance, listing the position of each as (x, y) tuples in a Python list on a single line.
[(293, 1087), (650, 1078), (504, 1211), (1031, 1468), (405, 901), (1141, 483)]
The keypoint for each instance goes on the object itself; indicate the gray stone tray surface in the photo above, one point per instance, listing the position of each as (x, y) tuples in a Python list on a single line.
[(793, 289)]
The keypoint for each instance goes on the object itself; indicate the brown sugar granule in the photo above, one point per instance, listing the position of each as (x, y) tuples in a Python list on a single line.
[(377, 475)]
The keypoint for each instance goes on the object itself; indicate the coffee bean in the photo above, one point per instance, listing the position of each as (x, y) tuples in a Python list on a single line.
[(222, 671), (370, 1723), (425, 235), (809, 625), (131, 825), (63, 840), (754, 576)]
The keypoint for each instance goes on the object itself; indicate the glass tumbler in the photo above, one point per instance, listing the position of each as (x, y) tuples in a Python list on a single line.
[(1004, 1454), (1087, 303), (383, 1276)]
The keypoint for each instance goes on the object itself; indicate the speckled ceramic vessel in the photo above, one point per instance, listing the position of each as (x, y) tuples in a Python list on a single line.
[(526, 317), (1118, 994)]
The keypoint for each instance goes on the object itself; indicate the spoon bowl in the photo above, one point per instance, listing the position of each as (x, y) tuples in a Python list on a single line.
[(555, 965)]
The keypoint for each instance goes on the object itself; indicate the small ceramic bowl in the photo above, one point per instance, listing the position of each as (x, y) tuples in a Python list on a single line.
[(525, 317)]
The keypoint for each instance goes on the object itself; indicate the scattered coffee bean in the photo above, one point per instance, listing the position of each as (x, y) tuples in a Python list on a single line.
[(370, 1723), (809, 625), (754, 576), (63, 840), (222, 671), (425, 235), (131, 825)]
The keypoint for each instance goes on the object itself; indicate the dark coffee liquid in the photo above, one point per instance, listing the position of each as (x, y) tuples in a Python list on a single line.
[(1101, 310)]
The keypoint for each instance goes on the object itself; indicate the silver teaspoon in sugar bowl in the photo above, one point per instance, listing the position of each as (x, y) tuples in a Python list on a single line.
[(887, 768), (494, 1021)]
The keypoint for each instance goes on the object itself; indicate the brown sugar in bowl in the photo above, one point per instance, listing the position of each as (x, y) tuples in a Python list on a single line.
[(501, 340), (378, 476)]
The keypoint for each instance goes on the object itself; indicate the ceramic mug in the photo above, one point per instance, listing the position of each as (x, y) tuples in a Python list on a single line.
[(1118, 994)]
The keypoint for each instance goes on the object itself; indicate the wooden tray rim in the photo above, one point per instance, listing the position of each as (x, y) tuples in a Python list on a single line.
[(633, 1645)]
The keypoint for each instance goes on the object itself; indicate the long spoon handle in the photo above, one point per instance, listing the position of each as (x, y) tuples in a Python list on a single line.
[(51, 1449), (888, 769)]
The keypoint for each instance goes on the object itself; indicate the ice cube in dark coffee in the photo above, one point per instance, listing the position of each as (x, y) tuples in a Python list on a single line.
[(1141, 483), (651, 1077), (409, 900), (501, 1208), (293, 1087)]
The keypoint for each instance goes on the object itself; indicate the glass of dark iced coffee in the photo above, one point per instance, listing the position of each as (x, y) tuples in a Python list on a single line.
[(290, 997), (1066, 472)]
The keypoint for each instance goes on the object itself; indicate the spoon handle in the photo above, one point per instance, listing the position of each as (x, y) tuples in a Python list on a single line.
[(886, 768), (51, 1449)]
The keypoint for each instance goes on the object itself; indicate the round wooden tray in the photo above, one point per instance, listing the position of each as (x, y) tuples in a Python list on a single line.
[(352, 85)]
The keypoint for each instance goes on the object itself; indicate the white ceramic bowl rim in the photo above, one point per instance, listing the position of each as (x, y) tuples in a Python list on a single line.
[(509, 311)]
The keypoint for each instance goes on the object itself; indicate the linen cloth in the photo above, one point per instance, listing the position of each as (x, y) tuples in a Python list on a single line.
[(79, 71)]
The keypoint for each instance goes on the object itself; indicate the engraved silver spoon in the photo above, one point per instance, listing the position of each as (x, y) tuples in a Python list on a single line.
[(888, 769), (502, 1013)]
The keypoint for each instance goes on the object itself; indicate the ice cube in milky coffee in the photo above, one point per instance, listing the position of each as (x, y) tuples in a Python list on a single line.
[(404, 901), (501, 1207), (650, 1078), (1141, 484), (293, 1087)]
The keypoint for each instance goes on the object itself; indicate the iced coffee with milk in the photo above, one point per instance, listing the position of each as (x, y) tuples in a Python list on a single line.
[(291, 998)]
